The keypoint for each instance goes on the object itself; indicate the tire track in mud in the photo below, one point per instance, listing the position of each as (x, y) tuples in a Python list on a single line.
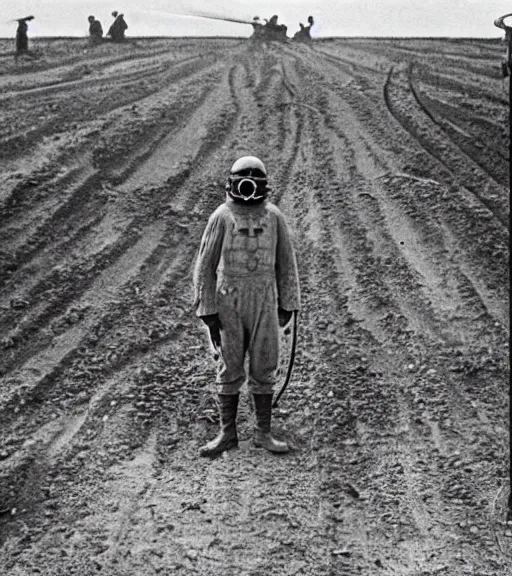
[(403, 228), (485, 130), (68, 68), (402, 106), (165, 175), (402, 294), (62, 118), (492, 304), (400, 462), (39, 368), (397, 156), (92, 183), (126, 76), (126, 388), (159, 257), (471, 285), (449, 82), (15, 198), (327, 372), (46, 317), (468, 145)]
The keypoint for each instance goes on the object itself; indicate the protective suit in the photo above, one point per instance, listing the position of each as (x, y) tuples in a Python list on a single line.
[(246, 285)]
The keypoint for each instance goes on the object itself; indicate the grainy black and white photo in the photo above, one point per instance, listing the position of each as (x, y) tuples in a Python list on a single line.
[(254, 288)]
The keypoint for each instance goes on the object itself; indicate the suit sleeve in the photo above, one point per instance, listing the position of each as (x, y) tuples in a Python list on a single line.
[(287, 275), (205, 270)]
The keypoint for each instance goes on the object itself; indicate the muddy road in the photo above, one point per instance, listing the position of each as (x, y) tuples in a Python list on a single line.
[(389, 159)]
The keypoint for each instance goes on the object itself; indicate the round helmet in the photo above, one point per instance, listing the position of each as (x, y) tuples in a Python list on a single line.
[(247, 180)]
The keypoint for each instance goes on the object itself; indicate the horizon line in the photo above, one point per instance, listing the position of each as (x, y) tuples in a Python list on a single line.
[(315, 39)]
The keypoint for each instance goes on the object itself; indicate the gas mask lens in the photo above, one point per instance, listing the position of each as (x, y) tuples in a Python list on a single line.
[(247, 188)]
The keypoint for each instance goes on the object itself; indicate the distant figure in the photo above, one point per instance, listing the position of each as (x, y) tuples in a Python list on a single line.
[(118, 28), (21, 35), (298, 35), (258, 31), (95, 29), (304, 34)]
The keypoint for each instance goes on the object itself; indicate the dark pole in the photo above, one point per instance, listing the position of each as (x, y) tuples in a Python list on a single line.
[(507, 71)]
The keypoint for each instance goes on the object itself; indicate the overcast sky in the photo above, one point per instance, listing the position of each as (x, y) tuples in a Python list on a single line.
[(466, 18)]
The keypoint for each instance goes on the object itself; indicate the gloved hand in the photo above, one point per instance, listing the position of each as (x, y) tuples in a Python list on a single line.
[(213, 323), (284, 316)]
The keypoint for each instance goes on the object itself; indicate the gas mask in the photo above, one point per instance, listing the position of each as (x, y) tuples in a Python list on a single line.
[(247, 188), (247, 181)]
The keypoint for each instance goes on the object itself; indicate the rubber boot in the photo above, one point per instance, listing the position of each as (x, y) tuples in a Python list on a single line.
[(262, 436), (227, 437)]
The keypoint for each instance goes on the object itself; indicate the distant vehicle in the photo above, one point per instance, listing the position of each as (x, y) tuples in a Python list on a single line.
[(273, 31)]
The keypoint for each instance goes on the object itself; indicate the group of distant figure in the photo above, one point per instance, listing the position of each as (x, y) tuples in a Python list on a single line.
[(271, 30), (116, 31)]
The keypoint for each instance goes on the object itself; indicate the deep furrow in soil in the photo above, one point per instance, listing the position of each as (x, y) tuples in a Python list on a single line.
[(192, 199), (195, 199), (344, 385), (34, 330), (353, 395), (483, 256), (401, 241), (489, 133), (410, 115), (470, 269), (63, 302), (392, 245), (68, 213), (378, 299), (156, 113), (66, 117), (494, 98), (118, 77), (457, 405), (468, 145), (67, 68)]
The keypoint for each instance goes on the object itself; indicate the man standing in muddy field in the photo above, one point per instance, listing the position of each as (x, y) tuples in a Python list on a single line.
[(246, 287)]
